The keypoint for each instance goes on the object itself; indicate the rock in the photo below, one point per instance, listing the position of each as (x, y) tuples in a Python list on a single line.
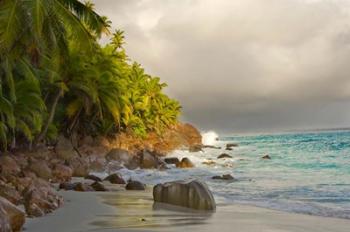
[(230, 145), (229, 149), (40, 198), (172, 160), (67, 186), (10, 193), (79, 166), (98, 165), (195, 148), (82, 187), (62, 173), (211, 146), (185, 163), (209, 162), (41, 169), (191, 194), (115, 178), (266, 157), (123, 157), (148, 160), (11, 217), (9, 166), (223, 177), (64, 149), (224, 155), (93, 177), (97, 186), (135, 185)]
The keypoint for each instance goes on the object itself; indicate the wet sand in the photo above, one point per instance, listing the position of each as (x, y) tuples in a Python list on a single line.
[(134, 211)]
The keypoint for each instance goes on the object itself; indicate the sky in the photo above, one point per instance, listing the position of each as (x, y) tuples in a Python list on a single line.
[(244, 65)]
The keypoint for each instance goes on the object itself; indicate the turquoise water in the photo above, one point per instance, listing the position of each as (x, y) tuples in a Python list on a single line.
[(308, 173)]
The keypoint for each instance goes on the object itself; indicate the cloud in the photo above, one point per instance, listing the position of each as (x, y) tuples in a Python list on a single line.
[(245, 65)]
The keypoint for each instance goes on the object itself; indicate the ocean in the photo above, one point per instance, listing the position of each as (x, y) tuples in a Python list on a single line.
[(308, 173)]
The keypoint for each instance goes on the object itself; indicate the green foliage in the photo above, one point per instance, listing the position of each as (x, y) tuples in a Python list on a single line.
[(56, 78)]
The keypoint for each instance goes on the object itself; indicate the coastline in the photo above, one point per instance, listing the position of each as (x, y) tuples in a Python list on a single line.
[(122, 210)]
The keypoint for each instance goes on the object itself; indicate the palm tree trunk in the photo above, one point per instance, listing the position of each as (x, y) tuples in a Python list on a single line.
[(52, 112)]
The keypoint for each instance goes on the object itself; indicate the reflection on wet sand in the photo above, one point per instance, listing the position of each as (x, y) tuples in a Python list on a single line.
[(135, 209)]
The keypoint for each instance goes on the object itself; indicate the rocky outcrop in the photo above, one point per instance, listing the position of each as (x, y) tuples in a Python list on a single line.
[(10, 193), (123, 157), (11, 217), (40, 198), (185, 163), (40, 168), (135, 185), (191, 194), (80, 166)]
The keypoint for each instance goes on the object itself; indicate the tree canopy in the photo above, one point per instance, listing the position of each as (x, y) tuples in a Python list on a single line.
[(56, 78)]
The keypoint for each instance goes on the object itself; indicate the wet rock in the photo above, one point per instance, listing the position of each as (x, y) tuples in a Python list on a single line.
[(123, 157), (185, 163), (67, 186), (266, 157), (10, 193), (93, 177), (172, 160), (11, 217), (135, 185), (209, 162), (148, 160), (115, 178), (99, 187), (224, 156), (211, 146), (62, 173), (40, 198), (231, 145), (191, 194), (223, 177), (82, 187), (229, 149), (40, 168)]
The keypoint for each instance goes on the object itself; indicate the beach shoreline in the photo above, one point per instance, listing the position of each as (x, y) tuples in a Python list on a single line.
[(123, 210)]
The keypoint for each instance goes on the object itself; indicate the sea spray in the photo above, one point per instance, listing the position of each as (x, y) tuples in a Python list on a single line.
[(209, 138)]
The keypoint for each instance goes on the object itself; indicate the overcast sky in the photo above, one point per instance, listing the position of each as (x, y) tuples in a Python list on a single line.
[(244, 65)]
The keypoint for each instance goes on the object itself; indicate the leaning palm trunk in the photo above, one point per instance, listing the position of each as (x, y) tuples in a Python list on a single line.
[(52, 112)]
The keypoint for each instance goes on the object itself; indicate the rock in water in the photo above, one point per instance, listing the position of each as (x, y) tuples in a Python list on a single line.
[(266, 157), (115, 178), (11, 217), (134, 185), (223, 177), (148, 160), (185, 163), (230, 145), (172, 160), (224, 155), (191, 194)]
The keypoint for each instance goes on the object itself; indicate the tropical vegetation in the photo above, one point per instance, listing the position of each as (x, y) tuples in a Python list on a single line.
[(55, 77)]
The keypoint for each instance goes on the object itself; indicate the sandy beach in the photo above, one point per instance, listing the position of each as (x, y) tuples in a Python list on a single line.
[(135, 211)]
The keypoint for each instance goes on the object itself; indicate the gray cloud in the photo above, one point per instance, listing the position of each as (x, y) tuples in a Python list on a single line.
[(245, 65)]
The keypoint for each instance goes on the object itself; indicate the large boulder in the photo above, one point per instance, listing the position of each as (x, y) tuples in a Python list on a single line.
[(11, 217), (148, 160), (62, 173), (10, 193), (41, 169), (9, 166), (123, 157), (191, 194), (185, 163), (40, 198)]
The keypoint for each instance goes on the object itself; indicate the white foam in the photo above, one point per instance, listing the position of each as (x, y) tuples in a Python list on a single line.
[(209, 138)]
